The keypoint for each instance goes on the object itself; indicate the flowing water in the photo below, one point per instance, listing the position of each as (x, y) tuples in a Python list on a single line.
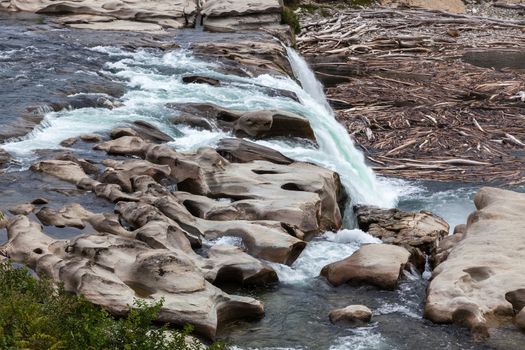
[(297, 308)]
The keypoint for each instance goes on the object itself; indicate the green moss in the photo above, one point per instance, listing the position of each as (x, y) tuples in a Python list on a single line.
[(293, 4), (290, 18), (34, 314)]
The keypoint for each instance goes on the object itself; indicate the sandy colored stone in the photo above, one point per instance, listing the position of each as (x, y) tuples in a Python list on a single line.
[(377, 264), (354, 315), (22, 209), (113, 271), (470, 285)]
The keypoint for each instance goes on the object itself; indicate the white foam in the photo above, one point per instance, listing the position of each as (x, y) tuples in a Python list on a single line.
[(364, 338), (322, 251)]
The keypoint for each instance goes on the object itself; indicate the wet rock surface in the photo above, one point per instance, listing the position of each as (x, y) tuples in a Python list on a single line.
[(421, 230), (471, 285), (353, 315), (254, 124), (380, 265)]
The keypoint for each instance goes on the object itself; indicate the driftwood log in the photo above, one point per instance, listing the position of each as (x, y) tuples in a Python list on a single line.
[(426, 94)]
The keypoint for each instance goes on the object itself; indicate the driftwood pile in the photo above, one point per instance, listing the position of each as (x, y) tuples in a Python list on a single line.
[(401, 82)]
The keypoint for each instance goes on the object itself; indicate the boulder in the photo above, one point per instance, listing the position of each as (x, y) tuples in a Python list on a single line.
[(22, 209), (470, 287), (40, 201), (455, 6), (354, 315), (258, 124), (114, 271), (149, 132), (377, 264), (243, 151), (236, 15), (120, 132), (91, 138), (63, 169), (193, 121), (421, 230), (68, 142)]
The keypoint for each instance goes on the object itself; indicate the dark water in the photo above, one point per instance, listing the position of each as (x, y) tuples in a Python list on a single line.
[(42, 65)]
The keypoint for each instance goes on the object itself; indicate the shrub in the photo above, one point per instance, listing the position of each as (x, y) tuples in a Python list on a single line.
[(35, 314), (290, 18)]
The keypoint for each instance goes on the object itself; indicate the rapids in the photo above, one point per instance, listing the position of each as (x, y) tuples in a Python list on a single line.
[(296, 309)]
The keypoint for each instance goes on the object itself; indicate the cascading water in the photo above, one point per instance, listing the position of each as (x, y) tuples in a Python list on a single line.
[(155, 80), (335, 142)]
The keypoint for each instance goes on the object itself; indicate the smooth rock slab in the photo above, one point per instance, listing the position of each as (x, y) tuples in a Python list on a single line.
[(354, 315), (378, 264), (471, 284)]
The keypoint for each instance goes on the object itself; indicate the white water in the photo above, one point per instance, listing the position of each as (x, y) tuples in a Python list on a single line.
[(156, 79), (322, 251)]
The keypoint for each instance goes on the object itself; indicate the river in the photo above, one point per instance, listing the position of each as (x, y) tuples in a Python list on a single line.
[(39, 63)]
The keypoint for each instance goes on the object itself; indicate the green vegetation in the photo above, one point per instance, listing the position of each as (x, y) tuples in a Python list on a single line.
[(290, 18), (36, 315)]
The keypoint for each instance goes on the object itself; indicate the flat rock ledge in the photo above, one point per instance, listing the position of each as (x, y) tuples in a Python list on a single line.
[(470, 287), (380, 265)]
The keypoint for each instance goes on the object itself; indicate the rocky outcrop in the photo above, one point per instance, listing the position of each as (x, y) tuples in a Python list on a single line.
[(258, 56), (149, 132), (377, 264), (255, 124), (113, 271), (243, 151), (353, 315), (422, 230), (260, 190), (114, 15), (471, 285), (237, 15)]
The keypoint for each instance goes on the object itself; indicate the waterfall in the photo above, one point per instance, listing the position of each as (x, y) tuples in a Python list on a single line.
[(334, 141)]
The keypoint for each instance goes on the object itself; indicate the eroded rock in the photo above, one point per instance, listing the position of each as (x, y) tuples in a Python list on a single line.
[(113, 271), (471, 284), (354, 315), (377, 264), (235, 15), (22, 209), (255, 124), (243, 151), (421, 230)]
